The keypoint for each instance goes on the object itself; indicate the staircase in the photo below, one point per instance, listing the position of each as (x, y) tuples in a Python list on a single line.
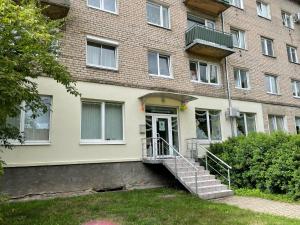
[(195, 178)]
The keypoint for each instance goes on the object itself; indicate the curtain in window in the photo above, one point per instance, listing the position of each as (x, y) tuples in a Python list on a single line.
[(93, 54), (108, 57), (297, 88), (113, 122), (263, 46), (267, 83), (273, 85), (152, 63), (235, 35), (91, 121), (193, 71), (270, 47), (244, 79), (240, 125), (201, 122), (297, 120), (165, 17), (280, 123), (95, 3), (251, 124), (215, 125), (38, 128), (164, 65), (109, 5), (213, 74), (153, 13), (203, 72), (271, 123)]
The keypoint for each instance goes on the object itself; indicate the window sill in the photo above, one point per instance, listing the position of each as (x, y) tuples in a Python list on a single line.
[(207, 142), (239, 48), (103, 10), (162, 76), (236, 7), (274, 94), (31, 143), (296, 97), (270, 56), (212, 84), (102, 68), (266, 18), (101, 142), (155, 25), (297, 63), (243, 89)]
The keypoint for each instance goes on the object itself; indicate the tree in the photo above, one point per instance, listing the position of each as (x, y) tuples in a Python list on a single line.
[(29, 48)]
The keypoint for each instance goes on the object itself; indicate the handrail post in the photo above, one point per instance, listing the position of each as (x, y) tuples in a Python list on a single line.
[(176, 166), (229, 182), (196, 180), (206, 166)]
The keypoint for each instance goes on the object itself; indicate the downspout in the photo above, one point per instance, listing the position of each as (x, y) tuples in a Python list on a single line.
[(228, 86)]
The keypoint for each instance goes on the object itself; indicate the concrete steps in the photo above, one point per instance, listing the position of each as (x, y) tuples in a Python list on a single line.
[(208, 187)]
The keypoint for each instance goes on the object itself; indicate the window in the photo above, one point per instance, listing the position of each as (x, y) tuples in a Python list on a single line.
[(287, 20), (245, 124), (158, 64), (271, 84), (237, 3), (101, 121), (241, 78), (263, 10), (195, 20), (296, 88), (101, 53), (239, 39), (158, 15), (105, 5), (292, 54), (267, 46), (208, 125), (204, 72), (297, 122), (35, 130), (276, 123)]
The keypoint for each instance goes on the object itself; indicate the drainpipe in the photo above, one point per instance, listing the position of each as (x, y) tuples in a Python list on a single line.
[(228, 85)]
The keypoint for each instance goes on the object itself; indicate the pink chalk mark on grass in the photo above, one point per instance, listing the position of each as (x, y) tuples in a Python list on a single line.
[(100, 222)]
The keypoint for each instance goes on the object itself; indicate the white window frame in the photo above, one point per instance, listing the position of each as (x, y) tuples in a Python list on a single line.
[(270, 83), (240, 80), (294, 85), (234, 3), (297, 118), (267, 53), (103, 41), (268, 9), (102, 139), (285, 22), (289, 50), (241, 33), (246, 123), (274, 122), (161, 20), (198, 62), (102, 7), (158, 65)]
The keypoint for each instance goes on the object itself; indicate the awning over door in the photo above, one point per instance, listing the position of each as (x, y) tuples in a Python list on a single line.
[(164, 95)]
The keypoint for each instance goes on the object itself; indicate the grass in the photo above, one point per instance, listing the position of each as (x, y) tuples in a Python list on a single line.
[(257, 193), (141, 207)]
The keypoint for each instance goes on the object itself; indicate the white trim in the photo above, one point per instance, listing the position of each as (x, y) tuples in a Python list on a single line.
[(268, 76), (101, 142), (102, 9), (246, 123), (161, 20), (158, 54), (265, 49), (208, 64), (290, 56), (240, 80), (241, 33), (233, 3), (262, 3), (102, 40)]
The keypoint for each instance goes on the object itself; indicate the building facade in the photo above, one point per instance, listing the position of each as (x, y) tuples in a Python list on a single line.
[(176, 70)]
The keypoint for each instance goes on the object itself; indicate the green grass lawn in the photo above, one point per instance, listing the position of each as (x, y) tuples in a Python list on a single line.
[(141, 207)]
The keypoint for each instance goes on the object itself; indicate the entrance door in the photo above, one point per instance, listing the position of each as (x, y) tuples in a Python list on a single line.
[(163, 129)]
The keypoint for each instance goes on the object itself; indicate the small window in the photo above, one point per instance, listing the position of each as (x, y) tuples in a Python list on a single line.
[(105, 5), (292, 54), (239, 38), (102, 55), (208, 125), (237, 3), (204, 72), (271, 84), (267, 46), (297, 123), (101, 121), (263, 9), (276, 123), (241, 79), (245, 124), (195, 20), (287, 20), (296, 88), (158, 15), (158, 64)]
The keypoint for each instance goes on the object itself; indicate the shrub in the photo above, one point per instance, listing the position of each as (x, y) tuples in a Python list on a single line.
[(268, 162)]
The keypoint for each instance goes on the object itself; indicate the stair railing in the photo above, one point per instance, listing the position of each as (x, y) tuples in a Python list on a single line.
[(193, 147), (158, 148)]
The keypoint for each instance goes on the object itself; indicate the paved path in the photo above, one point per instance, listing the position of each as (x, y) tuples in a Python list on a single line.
[(263, 206)]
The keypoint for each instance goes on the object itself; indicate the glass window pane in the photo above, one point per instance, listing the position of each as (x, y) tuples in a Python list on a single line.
[(165, 17), (153, 13), (242, 39), (203, 72), (270, 47), (267, 83), (298, 88), (251, 124), (193, 71), (213, 74), (237, 78), (113, 121), (273, 85), (164, 65), (244, 79), (94, 3), (14, 121), (280, 123), (201, 122), (235, 35), (91, 121), (108, 56), (175, 133), (271, 123), (210, 24), (109, 5), (38, 128), (263, 46), (215, 125), (93, 54), (152, 63), (297, 120), (240, 125)]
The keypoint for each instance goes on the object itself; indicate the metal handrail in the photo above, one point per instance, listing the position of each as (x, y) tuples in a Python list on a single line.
[(208, 28)]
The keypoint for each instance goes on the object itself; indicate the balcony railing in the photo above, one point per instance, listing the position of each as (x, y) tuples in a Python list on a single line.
[(56, 9), (212, 7), (210, 42)]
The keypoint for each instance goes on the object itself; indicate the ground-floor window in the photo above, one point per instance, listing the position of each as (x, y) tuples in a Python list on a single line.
[(208, 125), (101, 121), (297, 121), (34, 129), (245, 124), (276, 123)]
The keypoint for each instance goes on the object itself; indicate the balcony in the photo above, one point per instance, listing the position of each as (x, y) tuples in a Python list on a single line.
[(212, 7), (204, 41), (56, 9)]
